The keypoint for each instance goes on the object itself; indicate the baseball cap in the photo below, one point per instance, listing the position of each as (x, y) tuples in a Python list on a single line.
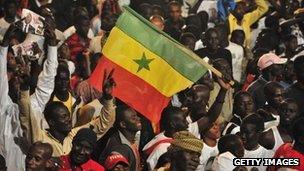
[(269, 59), (113, 159)]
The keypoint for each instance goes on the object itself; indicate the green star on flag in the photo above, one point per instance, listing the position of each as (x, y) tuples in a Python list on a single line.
[(143, 62)]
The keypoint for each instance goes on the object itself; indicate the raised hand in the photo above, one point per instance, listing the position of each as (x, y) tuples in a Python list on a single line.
[(50, 36), (108, 85)]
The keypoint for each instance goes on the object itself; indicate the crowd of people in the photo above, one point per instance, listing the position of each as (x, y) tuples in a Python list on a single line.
[(51, 118)]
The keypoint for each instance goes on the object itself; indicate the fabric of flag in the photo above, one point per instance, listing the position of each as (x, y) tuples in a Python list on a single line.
[(150, 66)]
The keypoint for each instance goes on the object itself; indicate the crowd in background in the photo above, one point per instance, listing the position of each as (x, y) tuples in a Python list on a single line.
[(51, 118)]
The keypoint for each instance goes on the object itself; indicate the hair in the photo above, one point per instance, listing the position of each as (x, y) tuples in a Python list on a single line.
[(51, 108), (186, 36), (223, 28), (63, 67), (298, 129), (48, 149), (236, 33), (298, 63), (108, 22), (289, 37), (271, 86), (271, 22), (157, 10), (229, 142), (256, 120), (290, 100), (167, 116), (193, 19), (193, 30), (174, 3), (120, 109)]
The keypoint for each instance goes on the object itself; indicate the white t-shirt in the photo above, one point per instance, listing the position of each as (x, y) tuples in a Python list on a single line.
[(223, 162), (261, 152), (237, 53), (207, 152)]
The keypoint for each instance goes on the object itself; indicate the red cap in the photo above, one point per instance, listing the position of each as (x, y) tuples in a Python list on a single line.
[(113, 159)]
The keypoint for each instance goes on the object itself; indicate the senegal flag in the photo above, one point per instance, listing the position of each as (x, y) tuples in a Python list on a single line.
[(149, 65)]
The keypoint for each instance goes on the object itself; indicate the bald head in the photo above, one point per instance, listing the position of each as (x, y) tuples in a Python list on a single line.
[(157, 21)]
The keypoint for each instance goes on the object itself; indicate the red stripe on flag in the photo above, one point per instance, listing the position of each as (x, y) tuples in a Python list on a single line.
[(131, 89)]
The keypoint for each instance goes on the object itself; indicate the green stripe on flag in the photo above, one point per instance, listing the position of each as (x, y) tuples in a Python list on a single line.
[(181, 59)]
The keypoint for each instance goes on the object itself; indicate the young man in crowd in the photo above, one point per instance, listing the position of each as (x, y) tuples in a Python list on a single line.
[(230, 147), (175, 21), (243, 106), (277, 135), (173, 120), (60, 133), (274, 93), (213, 50), (251, 129), (80, 156), (296, 91), (271, 67), (39, 157), (123, 140), (187, 148)]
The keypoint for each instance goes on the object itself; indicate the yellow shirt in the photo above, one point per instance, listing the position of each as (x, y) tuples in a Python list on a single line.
[(248, 20), (101, 125), (68, 103)]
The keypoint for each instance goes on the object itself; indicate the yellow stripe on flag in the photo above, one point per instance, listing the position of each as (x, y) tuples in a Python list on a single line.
[(129, 54)]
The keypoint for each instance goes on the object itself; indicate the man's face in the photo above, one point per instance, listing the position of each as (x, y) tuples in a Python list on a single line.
[(277, 71), (62, 81), (131, 120), (191, 160), (208, 81), (81, 152), (62, 121), (249, 136), (190, 44), (36, 160), (288, 113), (175, 12), (83, 27), (120, 167), (201, 95), (179, 121), (276, 97), (28, 18), (11, 10), (244, 106), (215, 131), (212, 40)]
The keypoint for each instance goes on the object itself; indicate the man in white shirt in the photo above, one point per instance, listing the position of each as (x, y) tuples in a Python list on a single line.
[(230, 147), (10, 126), (251, 128)]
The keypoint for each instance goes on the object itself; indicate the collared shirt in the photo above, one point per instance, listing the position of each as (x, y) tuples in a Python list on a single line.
[(100, 124), (248, 19), (87, 166)]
